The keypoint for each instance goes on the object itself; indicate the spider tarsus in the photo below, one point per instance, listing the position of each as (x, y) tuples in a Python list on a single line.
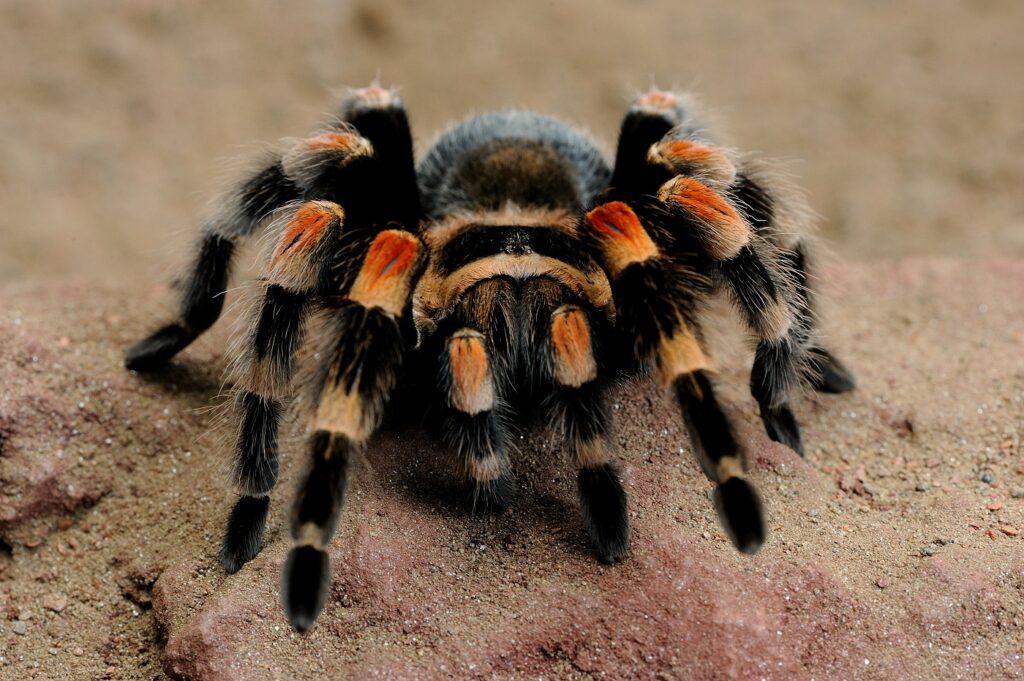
[(781, 425), (305, 578), (827, 374), (492, 496), (604, 510), (739, 510), (154, 351), (243, 537)]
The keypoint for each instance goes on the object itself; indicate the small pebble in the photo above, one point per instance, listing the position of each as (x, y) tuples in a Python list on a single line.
[(994, 507), (986, 477), (927, 551), (1017, 493), (55, 602), (882, 582), (20, 628), (922, 487), (1009, 530)]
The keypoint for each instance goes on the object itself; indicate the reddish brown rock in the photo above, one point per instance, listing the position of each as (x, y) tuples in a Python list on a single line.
[(421, 589)]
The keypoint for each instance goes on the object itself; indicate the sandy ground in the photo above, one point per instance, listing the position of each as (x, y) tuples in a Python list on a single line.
[(903, 120), (896, 548), (892, 551)]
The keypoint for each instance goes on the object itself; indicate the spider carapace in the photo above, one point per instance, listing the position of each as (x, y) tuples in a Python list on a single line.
[(512, 261)]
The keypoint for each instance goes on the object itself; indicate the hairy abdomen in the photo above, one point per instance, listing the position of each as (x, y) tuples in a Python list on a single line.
[(524, 159)]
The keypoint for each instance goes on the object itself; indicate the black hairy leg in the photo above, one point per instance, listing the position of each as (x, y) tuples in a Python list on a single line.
[(353, 386), (296, 273), (306, 574), (716, 446), (204, 286), (823, 370), (340, 164), (578, 407), (826, 373), (658, 303)]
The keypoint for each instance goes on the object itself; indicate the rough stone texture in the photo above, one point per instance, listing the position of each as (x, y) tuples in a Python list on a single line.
[(863, 576)]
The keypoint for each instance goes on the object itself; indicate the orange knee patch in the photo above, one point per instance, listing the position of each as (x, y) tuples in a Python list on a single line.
[(293, 264), (338, 141), (304, 162), (622, 238), (472, 386), (385, 279), (724, 231), (573, 355), (693, 158)]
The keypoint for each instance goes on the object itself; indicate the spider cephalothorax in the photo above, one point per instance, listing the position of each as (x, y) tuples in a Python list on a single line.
[(513, 267)]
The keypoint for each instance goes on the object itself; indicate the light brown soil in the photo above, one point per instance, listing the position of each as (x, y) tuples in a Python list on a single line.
[(904, 119), (880, 565), (889, 557)]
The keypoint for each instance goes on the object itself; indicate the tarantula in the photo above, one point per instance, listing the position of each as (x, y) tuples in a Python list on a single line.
[(516, 274)]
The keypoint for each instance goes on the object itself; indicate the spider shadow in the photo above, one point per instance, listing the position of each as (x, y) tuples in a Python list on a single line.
[(414, 463), (185, 377)]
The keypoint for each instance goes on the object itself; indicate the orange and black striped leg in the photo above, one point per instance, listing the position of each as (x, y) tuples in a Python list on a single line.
[(578, 405), (715, 443), (353, 390), (306, 573), (298, 270), (768, 305), (473, 423), (338, 165), (202, 296), (772, 378)]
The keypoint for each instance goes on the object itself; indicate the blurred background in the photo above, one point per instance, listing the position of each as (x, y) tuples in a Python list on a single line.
[(902, 120)]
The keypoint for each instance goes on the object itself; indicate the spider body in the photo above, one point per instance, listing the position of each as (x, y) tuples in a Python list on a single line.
[(515, 272)]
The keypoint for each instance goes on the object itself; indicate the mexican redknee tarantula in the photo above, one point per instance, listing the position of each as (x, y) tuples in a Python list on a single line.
[(521, 275)]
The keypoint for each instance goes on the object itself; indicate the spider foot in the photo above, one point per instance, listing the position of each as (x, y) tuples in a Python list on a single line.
[(739, 511), (782, 426), (243, 537), (604, 509), (305, 578), (492, 496), (669, 105), (827, 374), (154, 351)]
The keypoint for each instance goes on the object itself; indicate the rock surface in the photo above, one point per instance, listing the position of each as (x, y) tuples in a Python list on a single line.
[(885, 560)]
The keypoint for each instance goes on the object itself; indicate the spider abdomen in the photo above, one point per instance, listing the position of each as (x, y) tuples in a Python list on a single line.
[(519, 158)]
